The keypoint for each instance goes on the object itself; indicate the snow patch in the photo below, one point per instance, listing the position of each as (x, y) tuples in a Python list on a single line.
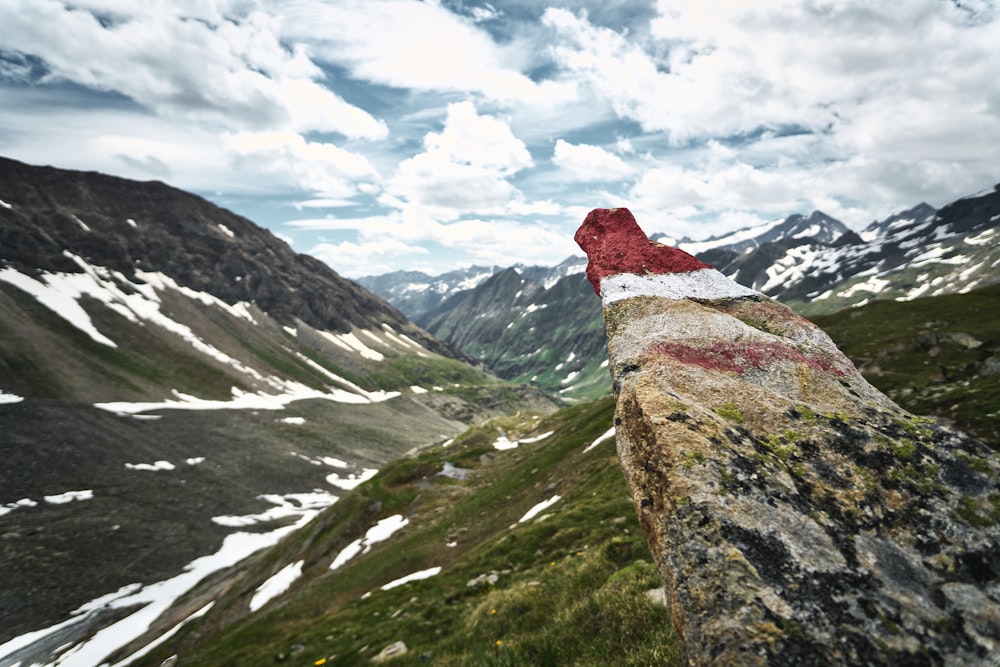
[(695, 247), (416, 576), (983, 238), (352, 343), (6, 205), (874, 284), (293, 391), (381, 531), (69, 496), (151, 467), (503, 442), (286, 505), (227, 231), (61, 300), (152, 600), (539, 508), (6, 398), (610, 433), (351, 481), (276, 585)]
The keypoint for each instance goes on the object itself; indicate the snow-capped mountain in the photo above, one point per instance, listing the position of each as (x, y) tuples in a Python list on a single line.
[(548, 329), (817, 226), (917, 252), (176, 384), (416, 293)]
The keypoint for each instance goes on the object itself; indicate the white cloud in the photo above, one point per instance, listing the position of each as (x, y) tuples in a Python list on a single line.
[(734, 67), (321, 168), (417, 46), (365, 258), (383, 239), (886, 103), (590, 163), (230, 70), (711, 115), (463, 170)]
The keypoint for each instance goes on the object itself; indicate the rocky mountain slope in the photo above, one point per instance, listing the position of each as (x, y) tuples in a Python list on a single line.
[(813, 263), (175, 383)]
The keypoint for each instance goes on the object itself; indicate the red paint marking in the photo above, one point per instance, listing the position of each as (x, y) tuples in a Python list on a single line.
[(733, 358), (615, 244)]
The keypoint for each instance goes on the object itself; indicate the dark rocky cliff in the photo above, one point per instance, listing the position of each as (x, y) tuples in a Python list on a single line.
[(125, 226)]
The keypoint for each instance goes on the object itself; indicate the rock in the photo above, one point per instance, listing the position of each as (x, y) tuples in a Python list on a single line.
[(657, 596), (483, 580), (990, 367), (797, 515), (391, 651)]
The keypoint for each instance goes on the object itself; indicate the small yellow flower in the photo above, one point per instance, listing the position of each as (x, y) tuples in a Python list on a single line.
[(499, 642), (493, 611), (552, 564), (321, 661)]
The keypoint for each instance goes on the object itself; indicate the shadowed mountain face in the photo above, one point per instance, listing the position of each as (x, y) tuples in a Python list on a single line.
[(127, 226)]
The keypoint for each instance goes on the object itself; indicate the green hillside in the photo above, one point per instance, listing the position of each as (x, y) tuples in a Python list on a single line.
[(566, 587), (934, 356)]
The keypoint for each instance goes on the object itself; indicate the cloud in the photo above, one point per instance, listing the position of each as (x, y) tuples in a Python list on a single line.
[(320, 168), (770, 108), (590, 163), (416, 46), (232, 69), (502, 241), (366, 258), (463, 169), (731, 68)]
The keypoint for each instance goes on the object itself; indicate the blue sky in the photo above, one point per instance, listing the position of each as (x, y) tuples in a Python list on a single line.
[(397, 134)]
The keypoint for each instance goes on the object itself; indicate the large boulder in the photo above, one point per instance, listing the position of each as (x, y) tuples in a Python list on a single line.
[(797, 515)]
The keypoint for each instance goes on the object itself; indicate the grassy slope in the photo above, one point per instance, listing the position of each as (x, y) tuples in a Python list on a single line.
[(570, 587), (914, 352)]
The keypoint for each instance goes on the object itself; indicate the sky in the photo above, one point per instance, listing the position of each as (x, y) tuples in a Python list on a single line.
[(380, 135)]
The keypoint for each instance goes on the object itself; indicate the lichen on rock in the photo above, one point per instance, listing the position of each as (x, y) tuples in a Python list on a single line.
[(797, 515)]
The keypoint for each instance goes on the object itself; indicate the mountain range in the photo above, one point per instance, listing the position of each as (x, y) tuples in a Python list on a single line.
[(541, 325), (218, 451)]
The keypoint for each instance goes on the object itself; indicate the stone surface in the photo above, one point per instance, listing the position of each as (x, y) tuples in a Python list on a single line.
[(797, 515), (390, 652)]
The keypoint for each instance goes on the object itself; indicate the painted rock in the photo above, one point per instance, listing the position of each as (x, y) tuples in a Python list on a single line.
[(797, 515)]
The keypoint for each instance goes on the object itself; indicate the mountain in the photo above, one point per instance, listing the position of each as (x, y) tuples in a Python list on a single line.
[(817, 227), (176, 382), (416, 293), (535, 325), (815, 264)]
